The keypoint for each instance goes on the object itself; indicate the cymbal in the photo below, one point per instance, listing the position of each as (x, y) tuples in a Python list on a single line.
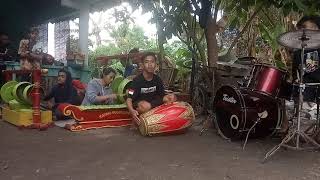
[(293, 39)]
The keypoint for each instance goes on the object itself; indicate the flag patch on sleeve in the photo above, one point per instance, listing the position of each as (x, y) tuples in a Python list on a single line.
[(131, 91)]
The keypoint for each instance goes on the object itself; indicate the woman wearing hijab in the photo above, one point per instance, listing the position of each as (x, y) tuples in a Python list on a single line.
[(63, 92)]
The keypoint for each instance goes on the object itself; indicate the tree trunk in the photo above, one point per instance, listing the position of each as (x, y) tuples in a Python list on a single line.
[(161, 48), (212, 46), (161, 38)]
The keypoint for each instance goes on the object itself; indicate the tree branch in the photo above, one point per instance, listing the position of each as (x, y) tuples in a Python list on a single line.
[(245, 27), (195, 4), (268, 17)]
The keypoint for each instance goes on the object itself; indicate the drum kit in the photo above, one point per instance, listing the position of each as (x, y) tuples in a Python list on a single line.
[(257, 110)]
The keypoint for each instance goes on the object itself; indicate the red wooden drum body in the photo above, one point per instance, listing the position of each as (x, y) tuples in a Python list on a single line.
[(167, 119), (237, 110), (266, 79)]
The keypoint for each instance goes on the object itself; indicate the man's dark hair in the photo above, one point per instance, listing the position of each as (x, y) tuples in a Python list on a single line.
[(134, 50), (33, 29), (107, 70), (314, 19), (149, 54), (68, 75), (29, 31), (68, 83)]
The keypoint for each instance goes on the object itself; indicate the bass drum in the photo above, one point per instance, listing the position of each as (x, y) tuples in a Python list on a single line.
[(236, 111)]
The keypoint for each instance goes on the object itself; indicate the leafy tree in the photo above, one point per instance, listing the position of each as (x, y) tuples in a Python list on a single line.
[(123, 38)]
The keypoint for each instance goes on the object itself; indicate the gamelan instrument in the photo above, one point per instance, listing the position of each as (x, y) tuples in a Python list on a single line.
[(170, 118), (96, 116)]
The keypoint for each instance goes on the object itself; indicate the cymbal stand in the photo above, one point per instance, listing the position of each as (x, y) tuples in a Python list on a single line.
[(295, 130)]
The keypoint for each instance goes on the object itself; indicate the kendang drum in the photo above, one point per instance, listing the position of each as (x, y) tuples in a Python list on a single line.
[(237, 110), (266, 79), (170, 118)]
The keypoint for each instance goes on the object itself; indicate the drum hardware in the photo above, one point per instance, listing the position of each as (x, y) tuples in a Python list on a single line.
[(315, 127), (261, 115), (312, 84), (240, 83), (302, 39), (206, 123), (245, 81)]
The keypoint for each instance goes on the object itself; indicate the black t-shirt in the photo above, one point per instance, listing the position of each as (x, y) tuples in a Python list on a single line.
[(60, 95), (8, 54), (151, 91), (311, 62)]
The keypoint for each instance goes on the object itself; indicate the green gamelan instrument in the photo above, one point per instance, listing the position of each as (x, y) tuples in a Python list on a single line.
[(18, 94)]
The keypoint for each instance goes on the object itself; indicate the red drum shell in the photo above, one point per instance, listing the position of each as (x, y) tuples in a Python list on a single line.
[(167, 119), (266, 79)]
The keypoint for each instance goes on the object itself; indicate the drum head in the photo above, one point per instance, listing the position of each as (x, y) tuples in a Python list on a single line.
[(237, 110), (262, 104), (228, 115)]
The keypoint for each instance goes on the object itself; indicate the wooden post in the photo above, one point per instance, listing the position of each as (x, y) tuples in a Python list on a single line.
[(36, 75)]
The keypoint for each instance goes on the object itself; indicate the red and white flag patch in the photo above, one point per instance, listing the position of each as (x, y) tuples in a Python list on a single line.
[(130, 91)]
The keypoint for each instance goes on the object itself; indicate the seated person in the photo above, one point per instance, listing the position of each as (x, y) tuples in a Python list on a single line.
[(7, 53), (27, 64), (63, 92), (311, 60), (27, 52), (99, 91), (132, 65), (147, 89)]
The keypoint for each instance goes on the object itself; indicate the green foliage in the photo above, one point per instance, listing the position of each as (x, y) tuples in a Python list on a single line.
[(271, 34), (124, 38), (178, 18), (179, 52)]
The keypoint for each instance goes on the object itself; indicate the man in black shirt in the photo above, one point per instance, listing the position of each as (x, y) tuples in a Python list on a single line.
[(147, 89), (311, 61), (311, 57)]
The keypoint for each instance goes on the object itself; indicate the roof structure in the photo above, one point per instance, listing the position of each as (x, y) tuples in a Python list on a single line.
[(16, 16)]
